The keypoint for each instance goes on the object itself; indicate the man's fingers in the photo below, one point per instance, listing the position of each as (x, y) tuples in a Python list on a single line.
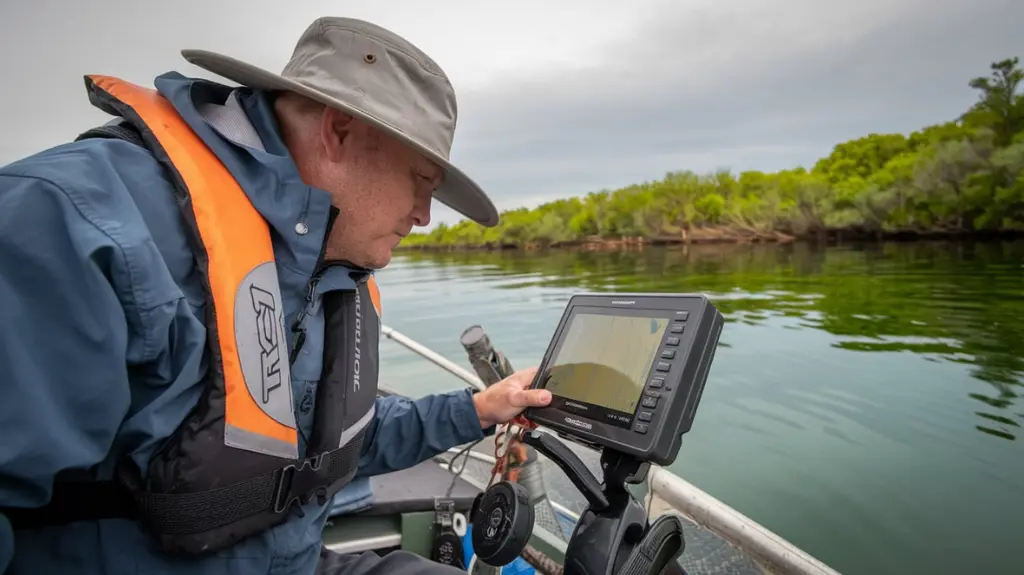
[(531, 398), (525, 377)]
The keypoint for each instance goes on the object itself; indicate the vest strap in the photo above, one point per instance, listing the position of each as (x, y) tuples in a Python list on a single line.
[(318, 477), (115, 130)]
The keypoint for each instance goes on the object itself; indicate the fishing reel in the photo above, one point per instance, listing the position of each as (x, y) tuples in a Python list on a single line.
[(502, 518)]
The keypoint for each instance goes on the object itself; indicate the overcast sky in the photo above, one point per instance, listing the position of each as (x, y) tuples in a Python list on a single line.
[(560, 98)]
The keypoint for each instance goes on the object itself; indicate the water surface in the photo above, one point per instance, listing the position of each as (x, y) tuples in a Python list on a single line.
[(864, 403)]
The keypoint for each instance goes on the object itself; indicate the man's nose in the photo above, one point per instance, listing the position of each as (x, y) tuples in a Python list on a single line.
[(421, 209)]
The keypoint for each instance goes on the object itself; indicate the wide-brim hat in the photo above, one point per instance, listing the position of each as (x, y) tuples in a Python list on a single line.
[(378, 76)]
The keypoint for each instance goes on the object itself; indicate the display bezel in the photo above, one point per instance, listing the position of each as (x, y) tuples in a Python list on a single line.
[(650, 446)]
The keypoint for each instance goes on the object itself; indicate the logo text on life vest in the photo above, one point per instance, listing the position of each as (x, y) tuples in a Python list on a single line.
[(270, 356), (259, 331), (359, 342)]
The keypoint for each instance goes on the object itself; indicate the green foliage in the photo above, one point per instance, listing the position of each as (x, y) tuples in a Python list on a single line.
[(962, 176)]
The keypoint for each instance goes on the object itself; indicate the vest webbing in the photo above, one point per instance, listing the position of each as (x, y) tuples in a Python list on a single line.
[(253, 407)]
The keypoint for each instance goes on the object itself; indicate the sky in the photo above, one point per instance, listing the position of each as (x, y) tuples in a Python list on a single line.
[(561, 98)]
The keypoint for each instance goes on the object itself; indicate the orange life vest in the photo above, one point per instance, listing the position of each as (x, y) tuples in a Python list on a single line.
[(232, 468)]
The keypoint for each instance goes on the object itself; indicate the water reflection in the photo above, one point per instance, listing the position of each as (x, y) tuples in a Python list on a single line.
[(942, 301)]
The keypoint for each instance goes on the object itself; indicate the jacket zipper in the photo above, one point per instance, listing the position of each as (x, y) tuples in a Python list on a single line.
[(318, 270), (297, 329)]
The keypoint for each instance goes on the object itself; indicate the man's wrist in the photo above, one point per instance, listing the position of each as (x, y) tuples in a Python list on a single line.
[(479, 401)]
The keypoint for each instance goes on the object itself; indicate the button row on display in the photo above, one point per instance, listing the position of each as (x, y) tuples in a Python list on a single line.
[(650, 398)]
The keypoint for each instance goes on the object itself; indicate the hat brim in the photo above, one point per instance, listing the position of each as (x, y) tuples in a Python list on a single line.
[(457, 190)]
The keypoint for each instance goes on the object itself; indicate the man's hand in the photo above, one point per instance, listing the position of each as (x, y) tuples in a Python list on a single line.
[(508, 398)]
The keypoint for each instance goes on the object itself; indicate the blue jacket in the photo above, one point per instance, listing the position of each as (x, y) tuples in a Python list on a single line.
[(102, 338)]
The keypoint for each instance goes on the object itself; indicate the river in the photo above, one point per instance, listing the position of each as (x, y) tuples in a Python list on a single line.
[(864, 403)]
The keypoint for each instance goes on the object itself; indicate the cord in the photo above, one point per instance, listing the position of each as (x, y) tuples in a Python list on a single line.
[(451, 466), (510, 437)]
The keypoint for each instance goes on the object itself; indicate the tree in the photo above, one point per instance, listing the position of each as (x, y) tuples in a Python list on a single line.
[(999, 106)]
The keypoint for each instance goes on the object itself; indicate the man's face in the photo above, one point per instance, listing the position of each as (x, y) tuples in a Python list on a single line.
[(381, 187)]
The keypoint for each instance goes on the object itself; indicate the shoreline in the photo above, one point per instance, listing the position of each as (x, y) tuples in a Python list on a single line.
[(721, 236)]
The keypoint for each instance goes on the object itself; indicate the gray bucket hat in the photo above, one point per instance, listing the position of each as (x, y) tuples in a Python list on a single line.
[(376, 75)]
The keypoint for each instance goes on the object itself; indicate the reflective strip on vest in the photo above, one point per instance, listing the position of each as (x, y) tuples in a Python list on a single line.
[(249, 335)]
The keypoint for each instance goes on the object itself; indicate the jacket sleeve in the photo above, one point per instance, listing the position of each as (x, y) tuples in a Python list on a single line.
[(63, 340), (405, 432)]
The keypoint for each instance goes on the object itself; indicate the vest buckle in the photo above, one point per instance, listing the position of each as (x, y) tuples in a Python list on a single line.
[(299, 484)]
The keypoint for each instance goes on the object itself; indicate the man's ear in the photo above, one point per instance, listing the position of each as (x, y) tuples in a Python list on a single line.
[(335, 133)]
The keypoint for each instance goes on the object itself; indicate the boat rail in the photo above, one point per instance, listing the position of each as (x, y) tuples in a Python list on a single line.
[(772, 551)]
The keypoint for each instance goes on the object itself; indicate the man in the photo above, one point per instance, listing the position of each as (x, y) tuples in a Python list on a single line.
[(166, 278)]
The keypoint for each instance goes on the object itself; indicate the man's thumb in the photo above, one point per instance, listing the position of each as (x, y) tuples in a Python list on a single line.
[(532, 398)]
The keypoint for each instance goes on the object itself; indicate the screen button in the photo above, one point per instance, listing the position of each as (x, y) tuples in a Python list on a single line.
[(656, 382), (668, 354), (640, 428), (649, 402), (672, 341), (677, 328), (662, 366), (682, 315), (654, 394), (644, 416)]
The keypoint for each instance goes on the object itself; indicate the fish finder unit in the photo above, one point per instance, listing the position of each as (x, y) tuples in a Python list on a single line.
[(626, 373)]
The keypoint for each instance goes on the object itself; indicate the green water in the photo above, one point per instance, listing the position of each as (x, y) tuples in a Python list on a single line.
[(863, 404)]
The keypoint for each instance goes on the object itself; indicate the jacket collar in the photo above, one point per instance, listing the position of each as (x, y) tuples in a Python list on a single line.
[(243, 121)]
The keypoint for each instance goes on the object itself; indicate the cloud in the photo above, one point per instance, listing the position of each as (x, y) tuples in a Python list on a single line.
[(753, 85), (50, 44), (558, 99)]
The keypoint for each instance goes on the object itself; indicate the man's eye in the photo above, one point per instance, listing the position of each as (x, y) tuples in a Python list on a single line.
[(430, 181)]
